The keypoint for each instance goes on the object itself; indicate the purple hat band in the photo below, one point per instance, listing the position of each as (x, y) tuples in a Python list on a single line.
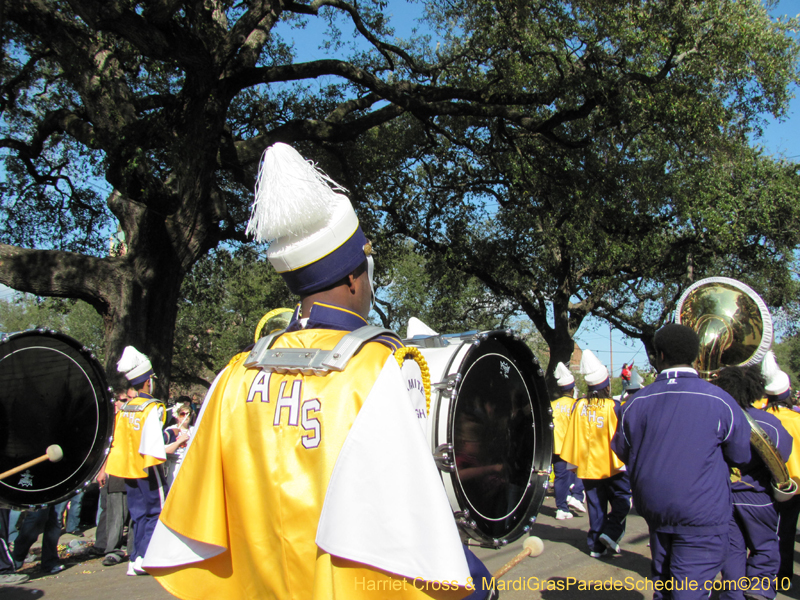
[(782, 396), (141, 378), (599, 386), (330, 268)]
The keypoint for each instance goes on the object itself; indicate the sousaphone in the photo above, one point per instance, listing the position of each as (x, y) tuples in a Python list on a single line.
[(735, 330)]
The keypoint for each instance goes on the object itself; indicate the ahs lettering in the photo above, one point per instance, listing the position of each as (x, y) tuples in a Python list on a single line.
[(300, 412)]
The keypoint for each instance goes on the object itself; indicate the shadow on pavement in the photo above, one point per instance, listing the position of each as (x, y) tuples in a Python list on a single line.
[(20, 592)]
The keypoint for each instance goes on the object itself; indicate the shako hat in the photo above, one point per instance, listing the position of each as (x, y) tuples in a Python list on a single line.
[(134, 365), (314, 234), (593, 371), (777, 382), (636, 381), (564, 378)]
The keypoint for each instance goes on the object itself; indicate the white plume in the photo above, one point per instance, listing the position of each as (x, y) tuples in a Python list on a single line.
[(292, 196), (563, 375), (769, 368)]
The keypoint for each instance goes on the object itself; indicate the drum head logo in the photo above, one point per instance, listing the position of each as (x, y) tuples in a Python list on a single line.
[(505, 368), (26, 479)]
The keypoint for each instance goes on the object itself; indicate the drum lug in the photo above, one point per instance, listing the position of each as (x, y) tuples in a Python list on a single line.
[(463, 520), (443, 457), (447, 385)]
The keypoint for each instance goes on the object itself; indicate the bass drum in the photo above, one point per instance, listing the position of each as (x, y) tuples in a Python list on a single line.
[(490, 430), (53, 392)]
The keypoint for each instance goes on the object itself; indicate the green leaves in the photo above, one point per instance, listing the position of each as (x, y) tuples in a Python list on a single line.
[(74, 318)]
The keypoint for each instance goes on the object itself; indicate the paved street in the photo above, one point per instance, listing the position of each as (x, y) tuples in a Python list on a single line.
[(564, 557)]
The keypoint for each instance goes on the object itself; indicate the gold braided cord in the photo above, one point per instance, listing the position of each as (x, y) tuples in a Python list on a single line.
[(413, 353)]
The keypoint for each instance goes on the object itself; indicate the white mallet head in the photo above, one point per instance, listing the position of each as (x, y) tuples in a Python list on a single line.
[(54, 453), (534, 545)]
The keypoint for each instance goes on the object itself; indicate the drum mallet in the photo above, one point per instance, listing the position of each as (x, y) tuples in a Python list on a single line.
[(532, 546), (54, 454)]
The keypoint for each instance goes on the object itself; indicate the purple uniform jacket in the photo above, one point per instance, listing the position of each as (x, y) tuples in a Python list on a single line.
[(755, 475), (677, 437)]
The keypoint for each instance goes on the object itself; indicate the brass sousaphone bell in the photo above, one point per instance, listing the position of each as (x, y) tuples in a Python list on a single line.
[(735, 330)]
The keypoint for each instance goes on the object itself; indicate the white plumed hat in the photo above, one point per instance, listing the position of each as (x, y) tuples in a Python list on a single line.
[(777, 382), (134, 365), (564, 378), (594, 371), (314, 234)]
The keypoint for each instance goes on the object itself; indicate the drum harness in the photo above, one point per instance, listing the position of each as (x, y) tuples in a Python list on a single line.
[(310, 361), (139, 407)]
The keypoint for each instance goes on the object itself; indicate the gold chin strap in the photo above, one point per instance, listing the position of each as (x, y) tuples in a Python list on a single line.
[(413, 353)]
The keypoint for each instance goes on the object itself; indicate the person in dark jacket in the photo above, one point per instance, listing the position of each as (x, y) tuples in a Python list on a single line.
[(753, 534), (677, 438)]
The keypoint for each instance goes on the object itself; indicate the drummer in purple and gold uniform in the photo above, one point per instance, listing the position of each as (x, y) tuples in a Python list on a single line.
[(138, 452), (313, 484), (568, 488), (587, 447)]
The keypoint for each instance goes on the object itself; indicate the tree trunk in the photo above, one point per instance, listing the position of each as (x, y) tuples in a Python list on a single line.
[(138, 303), (561, 348), (143, 315), (136, 292)]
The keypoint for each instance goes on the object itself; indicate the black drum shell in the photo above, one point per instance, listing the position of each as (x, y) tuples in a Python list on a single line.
[(53, 391)]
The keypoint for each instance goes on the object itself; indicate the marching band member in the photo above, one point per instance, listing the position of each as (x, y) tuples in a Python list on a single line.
[(138, 452), (753, 533), (568, 488), (587, 448), (313, 484), (676, 437), (779, 403)]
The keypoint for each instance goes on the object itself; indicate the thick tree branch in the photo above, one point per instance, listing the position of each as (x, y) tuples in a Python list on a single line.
[(56, 273)]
